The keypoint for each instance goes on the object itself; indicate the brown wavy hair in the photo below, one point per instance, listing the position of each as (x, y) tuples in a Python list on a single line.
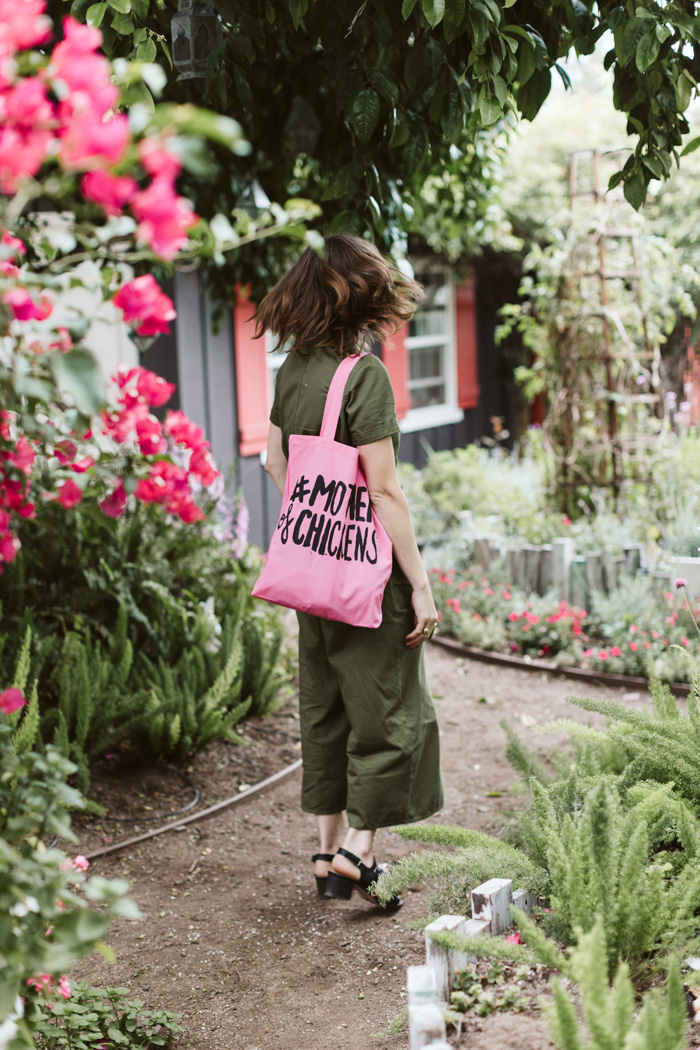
[(341, 298)]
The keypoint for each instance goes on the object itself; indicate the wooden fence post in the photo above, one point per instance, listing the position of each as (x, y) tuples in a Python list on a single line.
[(491, 902), (563, 553), (445, 961), (426, 1025)]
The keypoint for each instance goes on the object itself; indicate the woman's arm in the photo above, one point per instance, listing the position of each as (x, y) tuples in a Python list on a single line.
[(391, 507), (276, 461)]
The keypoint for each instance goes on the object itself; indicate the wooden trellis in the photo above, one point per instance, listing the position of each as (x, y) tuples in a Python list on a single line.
[(604, 374)]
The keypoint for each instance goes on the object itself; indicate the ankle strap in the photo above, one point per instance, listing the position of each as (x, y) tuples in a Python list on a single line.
[(322, 856), (351, 856)]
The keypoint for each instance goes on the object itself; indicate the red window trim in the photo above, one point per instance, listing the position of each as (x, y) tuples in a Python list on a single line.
[(251, 380), (468, 391), (395, 358)]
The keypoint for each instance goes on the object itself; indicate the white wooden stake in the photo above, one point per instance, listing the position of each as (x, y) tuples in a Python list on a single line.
[(445, 961), (426, 1025), (421, 985), (491, 902), (523, 899)]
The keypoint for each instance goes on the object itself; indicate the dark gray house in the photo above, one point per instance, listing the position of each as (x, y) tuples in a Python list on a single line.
[(439, 365)]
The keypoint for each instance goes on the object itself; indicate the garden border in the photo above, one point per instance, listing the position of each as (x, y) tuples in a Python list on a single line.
[(175, 825), (548, 666)]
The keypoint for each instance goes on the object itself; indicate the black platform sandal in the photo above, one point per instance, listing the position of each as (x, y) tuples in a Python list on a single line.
[(340, 887), (321, 879)]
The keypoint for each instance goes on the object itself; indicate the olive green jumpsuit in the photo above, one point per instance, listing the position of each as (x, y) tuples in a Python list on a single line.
[(369, 734)]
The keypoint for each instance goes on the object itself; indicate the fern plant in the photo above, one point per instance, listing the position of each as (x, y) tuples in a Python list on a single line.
[(610, 1021)]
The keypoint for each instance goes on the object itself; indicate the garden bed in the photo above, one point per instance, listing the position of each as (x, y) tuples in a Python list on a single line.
[(581, 674)]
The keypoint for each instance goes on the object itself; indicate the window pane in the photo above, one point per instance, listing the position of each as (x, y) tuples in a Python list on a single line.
[(431, 316), (426, 362), (424, 396)]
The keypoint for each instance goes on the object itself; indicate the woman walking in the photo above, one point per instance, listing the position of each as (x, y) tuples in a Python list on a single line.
[(368, 728)]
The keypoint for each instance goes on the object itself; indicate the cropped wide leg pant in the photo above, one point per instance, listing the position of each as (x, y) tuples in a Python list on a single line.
[(369, 733)]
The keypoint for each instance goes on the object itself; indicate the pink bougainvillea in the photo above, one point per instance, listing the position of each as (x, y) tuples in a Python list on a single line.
[(11, 700), (145, 306)]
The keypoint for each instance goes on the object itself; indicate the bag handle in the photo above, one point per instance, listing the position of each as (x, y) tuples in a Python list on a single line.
[(334, 398)]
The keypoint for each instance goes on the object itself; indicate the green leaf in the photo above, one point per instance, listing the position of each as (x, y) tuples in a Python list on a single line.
[(417, 65), (434, 11), (123, 24), (95, 13), (691, 146), (386, 85), (635, 191), (647, 51), (490, 109), (78, 375), (454, 16), (526, 63), (365, 113), (138, 94), (663, 33), (499, 86), (684, 92), (122, 6), (401, 131), (146, 51), (407, 8)]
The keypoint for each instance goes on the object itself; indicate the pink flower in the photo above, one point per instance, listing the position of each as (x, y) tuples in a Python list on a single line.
[(453, 603), (633, 628), (164, 218), (69, 494), (65, 452), (112, 192), (22, 457), (23, 306), (18, 247), (603, 655), (114, 504), (489, 591), (513, 938), (633, 647), (186, 433), (145, 305), (81, 863), (615, 651), (90, 140), (23, 24), (11, 700), (63, 988), (9, 546), (513, 617), (42, 982), (22, 152), (566, 521), (158, 160), (588, 652), (680, 582), (150, 436), (506, 595), (684, 641), (81, 465)]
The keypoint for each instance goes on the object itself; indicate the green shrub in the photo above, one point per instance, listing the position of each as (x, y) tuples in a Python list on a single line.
[(50, 913), (609, 1008), (94, 1017)]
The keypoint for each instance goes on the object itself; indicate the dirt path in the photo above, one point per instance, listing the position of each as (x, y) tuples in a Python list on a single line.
[(234, 936)]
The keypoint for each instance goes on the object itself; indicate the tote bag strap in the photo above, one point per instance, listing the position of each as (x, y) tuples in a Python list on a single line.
[(334, 398)]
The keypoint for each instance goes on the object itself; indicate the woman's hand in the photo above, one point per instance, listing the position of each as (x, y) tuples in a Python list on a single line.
[(426, 617)]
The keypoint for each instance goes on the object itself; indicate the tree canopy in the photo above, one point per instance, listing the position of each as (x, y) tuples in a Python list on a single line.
[(390, 87)]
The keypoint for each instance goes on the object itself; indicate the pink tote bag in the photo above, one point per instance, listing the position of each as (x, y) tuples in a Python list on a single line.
[(329, 555)]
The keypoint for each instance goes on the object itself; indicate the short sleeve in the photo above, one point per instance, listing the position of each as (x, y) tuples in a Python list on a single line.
[(370, 407), (275, 417)]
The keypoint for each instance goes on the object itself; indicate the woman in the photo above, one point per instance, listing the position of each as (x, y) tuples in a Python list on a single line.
[(369, 733)]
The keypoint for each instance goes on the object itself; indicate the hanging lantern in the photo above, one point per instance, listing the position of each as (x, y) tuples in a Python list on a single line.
[(196, 31), (302, 127)]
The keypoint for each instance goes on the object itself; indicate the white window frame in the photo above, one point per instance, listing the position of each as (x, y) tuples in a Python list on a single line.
[(449, 411)]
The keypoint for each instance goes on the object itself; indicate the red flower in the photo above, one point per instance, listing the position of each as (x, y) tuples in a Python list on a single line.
[(145, 306), (23, 306), (202, 466), (111, 192), (11, 700), (186, 433), (69, 494), (115, 503), (164, 218), (615, 651), (150, 436)]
